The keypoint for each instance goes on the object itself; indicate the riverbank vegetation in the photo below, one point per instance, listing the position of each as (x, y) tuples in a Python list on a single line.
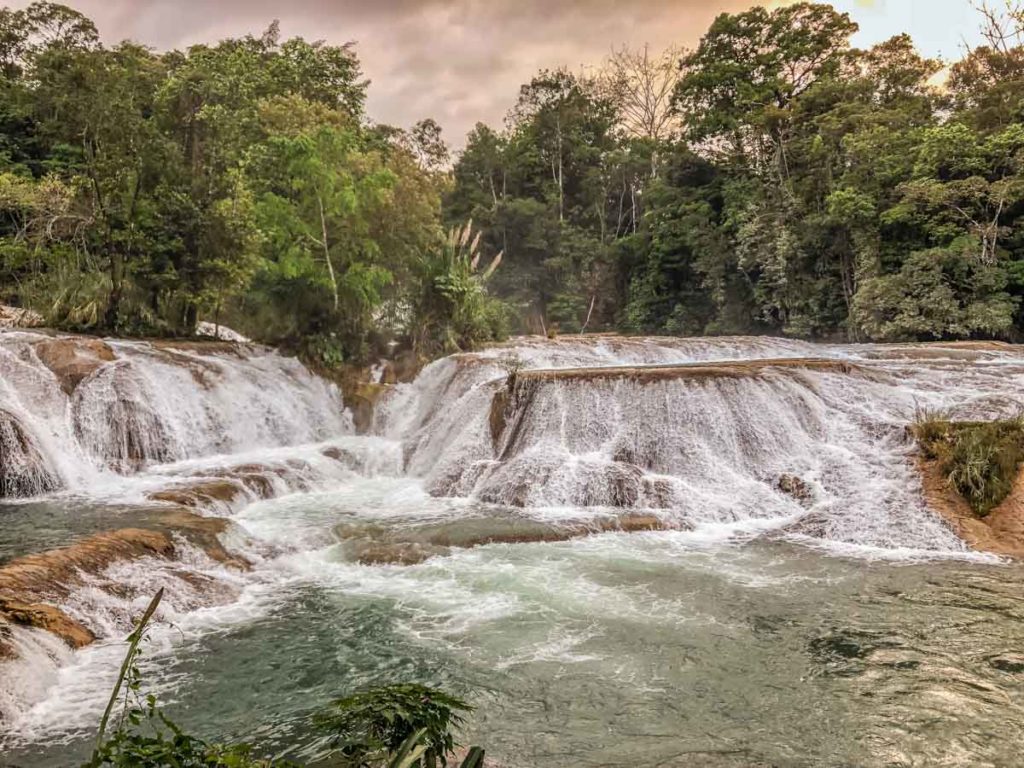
[(979, 459), (774, 179), (239, 182)]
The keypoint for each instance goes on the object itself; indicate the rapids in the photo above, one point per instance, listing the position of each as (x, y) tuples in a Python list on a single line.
[(624, 551)]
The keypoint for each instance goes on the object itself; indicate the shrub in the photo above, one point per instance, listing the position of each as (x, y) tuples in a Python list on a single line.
[(452, 310), (370, 725), (980, 459)]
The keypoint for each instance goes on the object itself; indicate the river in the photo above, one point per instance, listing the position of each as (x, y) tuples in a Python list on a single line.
[(742, 624)]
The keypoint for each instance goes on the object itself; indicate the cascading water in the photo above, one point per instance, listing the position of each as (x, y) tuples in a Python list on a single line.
[(149, 404), (602, 526)]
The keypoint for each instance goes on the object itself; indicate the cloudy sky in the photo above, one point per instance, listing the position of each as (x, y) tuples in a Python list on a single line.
[(462, 61)]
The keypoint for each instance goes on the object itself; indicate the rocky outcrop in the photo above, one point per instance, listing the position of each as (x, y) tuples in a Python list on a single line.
[(1000, 532), (24, 471), (73, 359), (30, 585)]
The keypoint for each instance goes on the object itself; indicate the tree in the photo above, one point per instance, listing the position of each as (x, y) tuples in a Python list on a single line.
[(641, 86)]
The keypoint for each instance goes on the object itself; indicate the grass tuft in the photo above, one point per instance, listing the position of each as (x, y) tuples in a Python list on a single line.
[(980, 458)]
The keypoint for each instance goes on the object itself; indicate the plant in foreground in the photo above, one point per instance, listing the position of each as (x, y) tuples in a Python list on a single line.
[(371, 724), (400, 726)]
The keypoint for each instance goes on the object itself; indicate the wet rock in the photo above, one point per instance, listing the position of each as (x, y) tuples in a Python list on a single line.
[(257, 479), (459, 479), (617, 485), (48, 618), (27, 583), (362, 399), (53, 573), (815, 525), (24, 471), (115, 419), (7, 650), (497, 417), (202, 532), (1012, 663), (204, 493), (72, 360), (794, 487), (516, 482), (403, 369), (371, 552), (657, 493), (343, 456)]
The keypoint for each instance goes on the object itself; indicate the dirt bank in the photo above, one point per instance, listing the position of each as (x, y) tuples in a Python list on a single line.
[(1001, 532)]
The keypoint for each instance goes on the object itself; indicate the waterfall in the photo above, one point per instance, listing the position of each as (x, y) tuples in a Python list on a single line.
[(73, 410), (809, 438)]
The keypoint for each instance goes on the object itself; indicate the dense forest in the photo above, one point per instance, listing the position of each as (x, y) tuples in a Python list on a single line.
[(774, 179)]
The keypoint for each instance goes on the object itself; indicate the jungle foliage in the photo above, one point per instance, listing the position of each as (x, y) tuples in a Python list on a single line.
[(239, 183), (774, 179)]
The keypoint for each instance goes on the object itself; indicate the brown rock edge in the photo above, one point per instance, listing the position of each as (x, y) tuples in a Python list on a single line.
[(28, 583), (1001, 532), (723, 370)]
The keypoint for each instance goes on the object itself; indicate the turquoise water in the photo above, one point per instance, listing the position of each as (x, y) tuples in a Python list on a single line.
[(645, 649)]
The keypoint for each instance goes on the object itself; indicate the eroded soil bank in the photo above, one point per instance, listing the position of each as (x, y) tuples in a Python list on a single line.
[(1001, 532)]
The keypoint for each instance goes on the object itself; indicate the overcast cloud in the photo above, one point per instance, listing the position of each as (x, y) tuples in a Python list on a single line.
[(462, 61)]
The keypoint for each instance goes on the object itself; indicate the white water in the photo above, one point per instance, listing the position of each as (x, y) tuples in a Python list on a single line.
[(704, 455), (155, 405)]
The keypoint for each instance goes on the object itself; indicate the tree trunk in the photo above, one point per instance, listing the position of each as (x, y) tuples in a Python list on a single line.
[(327, 249), (113, 311)]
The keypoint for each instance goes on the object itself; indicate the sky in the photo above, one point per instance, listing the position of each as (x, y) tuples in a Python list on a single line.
[(462, 61)]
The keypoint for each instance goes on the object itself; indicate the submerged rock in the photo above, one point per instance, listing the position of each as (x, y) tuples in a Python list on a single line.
[(411, 544), (72, 360), (24, 471)]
